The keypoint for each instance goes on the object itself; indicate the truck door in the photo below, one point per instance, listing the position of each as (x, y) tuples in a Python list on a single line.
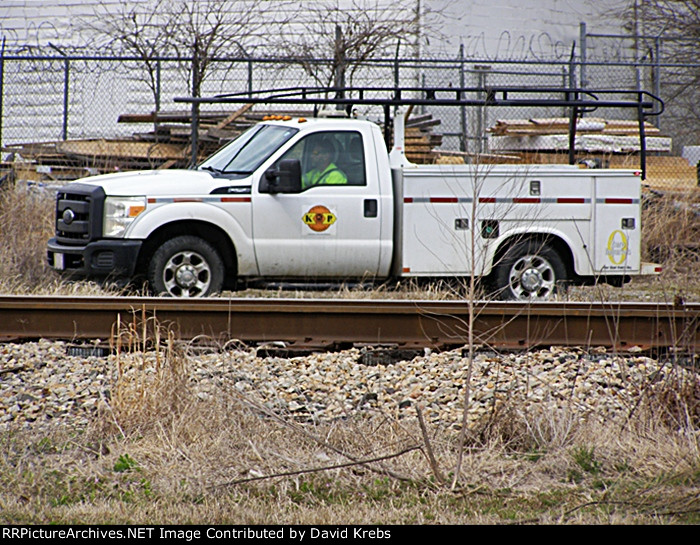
[(617, 224), (332, 227)]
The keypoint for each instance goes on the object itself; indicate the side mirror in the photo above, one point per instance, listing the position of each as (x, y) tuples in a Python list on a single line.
[(285, 178)]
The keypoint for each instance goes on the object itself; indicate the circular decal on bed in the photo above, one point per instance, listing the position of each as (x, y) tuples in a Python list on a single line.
[(618, 247), (319, 218)]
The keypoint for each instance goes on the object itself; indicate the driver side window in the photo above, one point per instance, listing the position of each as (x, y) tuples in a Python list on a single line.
[(330, 158)]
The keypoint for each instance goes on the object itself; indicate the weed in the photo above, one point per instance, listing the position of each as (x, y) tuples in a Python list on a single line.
[(534, 455), (318, 491), (623, 467), (584, 457), (602, 484), (574, 476), (26, 216), (379, 489), (671, 227), (552, 498), (125, 463)]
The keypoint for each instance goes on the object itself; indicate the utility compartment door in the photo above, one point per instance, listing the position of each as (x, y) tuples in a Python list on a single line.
[(617, 224), (331, 229), (437, 223)]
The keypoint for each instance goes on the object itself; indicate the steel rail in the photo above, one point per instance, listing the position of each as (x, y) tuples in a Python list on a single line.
[(335, 323)]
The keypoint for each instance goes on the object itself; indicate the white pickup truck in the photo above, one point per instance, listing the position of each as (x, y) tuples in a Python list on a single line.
[(256, 210)]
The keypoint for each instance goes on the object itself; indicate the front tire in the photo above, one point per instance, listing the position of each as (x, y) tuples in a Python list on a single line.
[(186, 266), (529, 271)]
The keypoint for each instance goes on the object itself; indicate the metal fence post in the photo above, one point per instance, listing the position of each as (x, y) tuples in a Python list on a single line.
[(462, 108), (583, 34), (195, 132), (396, 66), (195, 110), (2, 83), (66, 86), (656, 75), (250, 77), (481, 76), (158, 85)]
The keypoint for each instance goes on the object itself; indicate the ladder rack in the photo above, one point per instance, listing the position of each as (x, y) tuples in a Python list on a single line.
[(579, 101)]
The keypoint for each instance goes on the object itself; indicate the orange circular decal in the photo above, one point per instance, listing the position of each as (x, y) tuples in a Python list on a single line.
[(319, 218)]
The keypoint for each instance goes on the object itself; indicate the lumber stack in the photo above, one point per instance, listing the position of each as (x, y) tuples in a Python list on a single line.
[(215, 128), (593, 135), (167, 144), (559, 125), (608, 143), (419, 139)]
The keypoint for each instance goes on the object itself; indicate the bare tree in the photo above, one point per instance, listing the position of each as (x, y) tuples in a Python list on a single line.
[(668, 32), (677, 22), (332, 38), (205, 30), (138, 29), (196, 31)]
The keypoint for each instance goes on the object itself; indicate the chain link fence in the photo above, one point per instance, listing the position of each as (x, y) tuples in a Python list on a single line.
[(62, 117)]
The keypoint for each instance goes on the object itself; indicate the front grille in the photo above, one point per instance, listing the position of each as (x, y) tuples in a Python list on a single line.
[(79, 213)]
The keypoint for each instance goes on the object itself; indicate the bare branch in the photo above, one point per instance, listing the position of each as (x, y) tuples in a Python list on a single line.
[(332, 39), (199, 31), (319, 469), (429, 449)]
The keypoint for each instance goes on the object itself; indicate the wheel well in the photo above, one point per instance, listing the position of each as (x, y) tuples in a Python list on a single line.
[(212, 234), (561, 247)]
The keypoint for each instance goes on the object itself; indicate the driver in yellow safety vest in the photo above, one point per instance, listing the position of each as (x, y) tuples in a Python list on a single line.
[(323, 170)]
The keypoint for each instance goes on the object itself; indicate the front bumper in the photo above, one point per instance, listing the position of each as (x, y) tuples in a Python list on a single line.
[(99, 259)]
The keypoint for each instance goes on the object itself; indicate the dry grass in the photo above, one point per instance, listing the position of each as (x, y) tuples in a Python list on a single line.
[(26, 224), (26, 220), (671, 235), (671, 230), (160, 450)]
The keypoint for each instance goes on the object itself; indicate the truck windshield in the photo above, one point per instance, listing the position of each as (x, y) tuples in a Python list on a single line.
[(247, 152)]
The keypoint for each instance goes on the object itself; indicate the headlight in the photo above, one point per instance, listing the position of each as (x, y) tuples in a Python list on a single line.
[(119, 212)]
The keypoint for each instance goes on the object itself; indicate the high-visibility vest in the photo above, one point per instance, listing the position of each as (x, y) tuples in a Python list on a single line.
[(330, 175)]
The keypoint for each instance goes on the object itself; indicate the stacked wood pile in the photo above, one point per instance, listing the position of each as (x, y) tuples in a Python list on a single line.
[(560, 125), (216, 128), (592, 135), (419, 139), (609, 143), (167, 144)]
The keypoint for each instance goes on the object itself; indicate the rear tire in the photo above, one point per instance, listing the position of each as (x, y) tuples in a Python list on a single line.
[(529, 271), (186, 266)]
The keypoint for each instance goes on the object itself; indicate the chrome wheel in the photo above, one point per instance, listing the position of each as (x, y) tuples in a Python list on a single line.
[(187, 274), (529, 271), (532, 277), (186, 266)]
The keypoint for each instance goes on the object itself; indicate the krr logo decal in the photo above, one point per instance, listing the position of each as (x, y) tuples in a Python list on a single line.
[(319, 218), (618, 247)]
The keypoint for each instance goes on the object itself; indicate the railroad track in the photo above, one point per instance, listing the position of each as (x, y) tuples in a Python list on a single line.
[(331, 324)]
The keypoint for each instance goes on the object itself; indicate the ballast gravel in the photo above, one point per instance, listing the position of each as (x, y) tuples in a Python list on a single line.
[(43, 386)]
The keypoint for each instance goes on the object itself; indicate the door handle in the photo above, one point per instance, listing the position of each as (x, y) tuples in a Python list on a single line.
[(371, 208)]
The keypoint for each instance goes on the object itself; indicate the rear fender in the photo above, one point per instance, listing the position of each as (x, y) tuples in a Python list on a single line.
[(498, 247)]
